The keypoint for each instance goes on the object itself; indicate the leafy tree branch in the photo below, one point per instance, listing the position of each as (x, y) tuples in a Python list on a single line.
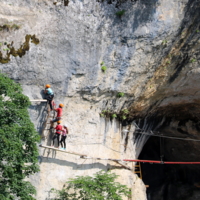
[(100, 187), (18, 158)]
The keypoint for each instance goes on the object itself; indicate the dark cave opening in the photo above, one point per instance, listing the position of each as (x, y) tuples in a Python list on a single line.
[(169, 182)]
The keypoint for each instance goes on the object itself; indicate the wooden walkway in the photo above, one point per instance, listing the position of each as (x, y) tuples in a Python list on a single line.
[(64, 151), (38, 100)]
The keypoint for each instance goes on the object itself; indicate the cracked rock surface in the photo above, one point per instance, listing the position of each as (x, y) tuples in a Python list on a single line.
[(151, 55)]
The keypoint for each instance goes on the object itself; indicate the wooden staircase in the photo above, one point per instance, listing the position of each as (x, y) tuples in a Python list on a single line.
[(46, 126), (138, 170)]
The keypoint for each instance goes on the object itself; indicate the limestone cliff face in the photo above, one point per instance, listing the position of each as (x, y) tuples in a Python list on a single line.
[(151, 53)]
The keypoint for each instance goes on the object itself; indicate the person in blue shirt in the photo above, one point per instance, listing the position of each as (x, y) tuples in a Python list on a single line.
[(49, 95)]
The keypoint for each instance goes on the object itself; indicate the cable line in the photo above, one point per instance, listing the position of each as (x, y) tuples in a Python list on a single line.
[(164, 136), (170, 137)]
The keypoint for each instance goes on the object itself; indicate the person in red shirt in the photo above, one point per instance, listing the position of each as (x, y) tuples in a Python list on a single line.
[(58, 133), (63, 137), (59, 114)]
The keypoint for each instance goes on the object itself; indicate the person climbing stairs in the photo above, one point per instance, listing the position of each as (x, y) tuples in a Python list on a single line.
[(49, 95), (59, 114)]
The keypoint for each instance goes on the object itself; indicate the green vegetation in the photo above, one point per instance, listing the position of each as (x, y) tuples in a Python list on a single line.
[(9, 27), (101, 186), (113, 115), (125, 111), (104, 68), (193, 60), (120, 13), (123, 117), (124, 114), (197, 31), (169, 55), (183, 33), (6, 49), (102, 115), (120, 94), (168, 62), (164, 42), (15, 27), (102, 63), (19, 153), (19, 52)]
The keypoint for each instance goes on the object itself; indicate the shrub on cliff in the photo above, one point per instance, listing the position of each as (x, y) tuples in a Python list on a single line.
[(101, 186), (18, 150)]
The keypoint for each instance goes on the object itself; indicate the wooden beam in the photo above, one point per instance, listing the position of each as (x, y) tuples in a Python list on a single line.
[(87, 157), (125, 166), (38, 100), (64, 151)]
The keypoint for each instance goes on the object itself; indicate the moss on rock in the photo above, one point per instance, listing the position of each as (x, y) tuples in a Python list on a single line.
[(19, 52)]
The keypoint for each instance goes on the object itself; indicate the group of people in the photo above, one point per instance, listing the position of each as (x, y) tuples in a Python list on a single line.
[(60, 130), (63, 131)]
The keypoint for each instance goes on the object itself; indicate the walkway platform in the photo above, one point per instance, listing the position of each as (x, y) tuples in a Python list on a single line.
[(64, 151), (38, 100)]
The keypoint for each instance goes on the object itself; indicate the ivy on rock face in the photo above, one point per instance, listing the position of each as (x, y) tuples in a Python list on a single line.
[(18, 137)]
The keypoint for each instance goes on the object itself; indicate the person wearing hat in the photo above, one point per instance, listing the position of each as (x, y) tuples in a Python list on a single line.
[(58, 133), (59, 114), (64, 136), (49, 95)]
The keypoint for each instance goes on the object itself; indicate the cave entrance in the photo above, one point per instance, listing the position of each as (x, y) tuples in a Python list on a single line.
[(169, 182)]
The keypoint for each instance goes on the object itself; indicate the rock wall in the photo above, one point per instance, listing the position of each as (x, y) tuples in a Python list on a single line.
[(88, 135), (66, 43)]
